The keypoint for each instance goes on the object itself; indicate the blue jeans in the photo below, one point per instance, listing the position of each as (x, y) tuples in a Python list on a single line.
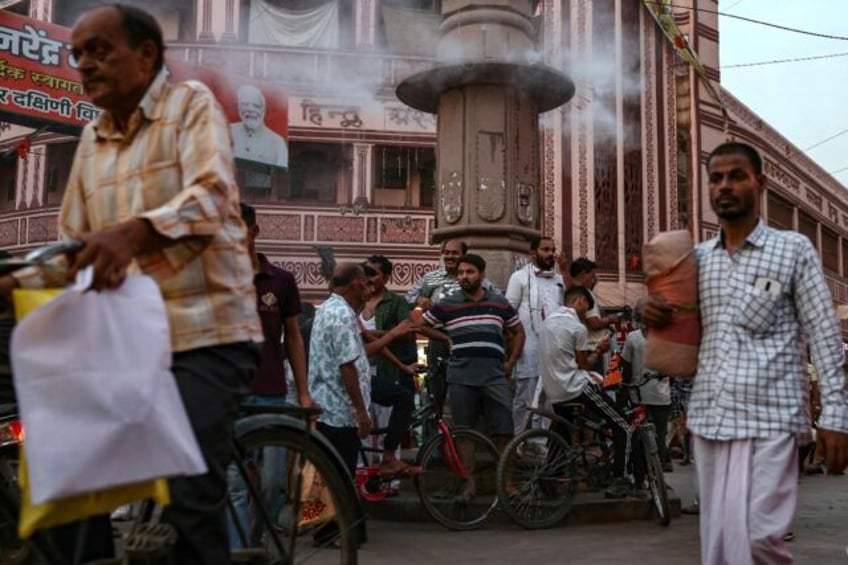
[(272, 482)]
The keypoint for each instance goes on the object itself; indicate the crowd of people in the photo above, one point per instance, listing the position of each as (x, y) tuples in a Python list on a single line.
[(152, 190)]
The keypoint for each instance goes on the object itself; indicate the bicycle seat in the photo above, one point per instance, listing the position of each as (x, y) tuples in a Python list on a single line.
[(574, 409), (286, 410)]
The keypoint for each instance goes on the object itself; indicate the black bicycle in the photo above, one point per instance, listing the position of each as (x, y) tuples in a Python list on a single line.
[(275, 534), (539, 470)]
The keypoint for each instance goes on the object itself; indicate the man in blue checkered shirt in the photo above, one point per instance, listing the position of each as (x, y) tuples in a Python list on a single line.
[(763, 296)]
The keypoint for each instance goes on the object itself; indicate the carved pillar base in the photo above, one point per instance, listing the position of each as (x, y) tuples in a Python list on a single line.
[(500, 264)]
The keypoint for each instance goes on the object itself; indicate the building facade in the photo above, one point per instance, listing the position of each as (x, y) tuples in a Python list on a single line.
[(622, 161)]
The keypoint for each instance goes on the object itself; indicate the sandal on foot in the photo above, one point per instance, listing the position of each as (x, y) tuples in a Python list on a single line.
[(399, 468)]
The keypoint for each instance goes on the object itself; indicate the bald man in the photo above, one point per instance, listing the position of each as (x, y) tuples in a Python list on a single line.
[(252, 139), (339, 376)]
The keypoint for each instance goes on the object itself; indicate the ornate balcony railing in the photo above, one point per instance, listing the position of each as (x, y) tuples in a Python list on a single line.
[(290, 235), (352, 73)]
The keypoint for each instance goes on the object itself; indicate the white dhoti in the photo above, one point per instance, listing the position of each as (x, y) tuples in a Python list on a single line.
[(748, 490), (525, 389)]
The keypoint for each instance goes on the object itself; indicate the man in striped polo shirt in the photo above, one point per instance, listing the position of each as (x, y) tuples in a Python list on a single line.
[(480, 366)]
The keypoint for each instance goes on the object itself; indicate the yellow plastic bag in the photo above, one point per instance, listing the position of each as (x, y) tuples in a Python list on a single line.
[(54, 513), (82, 506), (26, 300)]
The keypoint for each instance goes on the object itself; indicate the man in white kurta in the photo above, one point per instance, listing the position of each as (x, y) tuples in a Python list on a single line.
[(535, 291), (763, 296)]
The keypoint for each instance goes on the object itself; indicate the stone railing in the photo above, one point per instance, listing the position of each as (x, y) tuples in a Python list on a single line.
[(290, 236), (340, 226), (352, 73), (25, 229)]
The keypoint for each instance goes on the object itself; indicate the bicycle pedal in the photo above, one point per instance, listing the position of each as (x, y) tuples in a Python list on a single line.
[(149, 542)]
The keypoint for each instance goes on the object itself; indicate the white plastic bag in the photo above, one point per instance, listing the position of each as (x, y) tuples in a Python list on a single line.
[(99, 404)]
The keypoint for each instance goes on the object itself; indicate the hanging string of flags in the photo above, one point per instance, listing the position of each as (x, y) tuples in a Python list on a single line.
[(661, 12)]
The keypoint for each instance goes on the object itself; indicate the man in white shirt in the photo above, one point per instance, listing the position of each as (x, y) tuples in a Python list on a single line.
[(535, 291), (655, 394), (566, 359), (583, 273)]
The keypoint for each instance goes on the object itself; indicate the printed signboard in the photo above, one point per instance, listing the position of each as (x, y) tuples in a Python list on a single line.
[(37, 76), (39, 83)]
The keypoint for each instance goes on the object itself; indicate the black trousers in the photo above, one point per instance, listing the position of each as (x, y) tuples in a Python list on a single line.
[(659, 416), (599, 404), (347, 443), (212, 382), (400, 398), (95, 533)]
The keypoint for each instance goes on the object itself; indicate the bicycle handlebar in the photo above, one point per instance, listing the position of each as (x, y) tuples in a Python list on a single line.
[(645, 380), (39, 256)]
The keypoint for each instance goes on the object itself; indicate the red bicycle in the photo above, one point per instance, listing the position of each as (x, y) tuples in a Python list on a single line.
[(456, 483)]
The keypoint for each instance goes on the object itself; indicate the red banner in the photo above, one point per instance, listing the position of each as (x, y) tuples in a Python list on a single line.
[(37, 77), (38, 80)]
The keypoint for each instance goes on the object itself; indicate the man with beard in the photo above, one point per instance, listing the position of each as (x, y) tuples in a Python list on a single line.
[(762, 297), (479, 369), (436, 285), (535, 290), (433, 288)]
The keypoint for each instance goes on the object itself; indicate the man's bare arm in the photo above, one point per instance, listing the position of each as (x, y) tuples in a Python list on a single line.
[(516, 346), (296, 354), (350, 381)]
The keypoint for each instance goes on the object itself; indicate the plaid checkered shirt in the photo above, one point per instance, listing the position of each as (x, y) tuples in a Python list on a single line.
[(173, 167), (759, 306)]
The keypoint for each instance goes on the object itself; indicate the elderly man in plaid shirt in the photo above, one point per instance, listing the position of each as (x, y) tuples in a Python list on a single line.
[(763, 297)]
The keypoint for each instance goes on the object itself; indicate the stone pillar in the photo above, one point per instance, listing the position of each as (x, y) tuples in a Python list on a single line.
[(231, 19), (204, 20), (41, 10), (365, 15), (29, 190), (362, 173), (488, 89)]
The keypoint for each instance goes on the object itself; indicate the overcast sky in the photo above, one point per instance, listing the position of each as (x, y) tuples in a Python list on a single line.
[(805, 101)]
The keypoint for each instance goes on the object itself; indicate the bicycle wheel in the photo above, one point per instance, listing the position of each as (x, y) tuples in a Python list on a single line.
[(299, 544), (12, 550), (657, 487), (15, 551), (455, 502), (537, 479)]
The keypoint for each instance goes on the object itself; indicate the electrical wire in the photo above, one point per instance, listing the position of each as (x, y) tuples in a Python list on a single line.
[(823, 141), (837, 171), (753, 21), (777, 61)]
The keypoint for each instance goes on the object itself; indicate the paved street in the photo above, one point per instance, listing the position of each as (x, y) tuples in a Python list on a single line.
[(821, 529)]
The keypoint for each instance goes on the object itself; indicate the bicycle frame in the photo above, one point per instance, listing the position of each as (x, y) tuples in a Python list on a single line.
[(422, 416)]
